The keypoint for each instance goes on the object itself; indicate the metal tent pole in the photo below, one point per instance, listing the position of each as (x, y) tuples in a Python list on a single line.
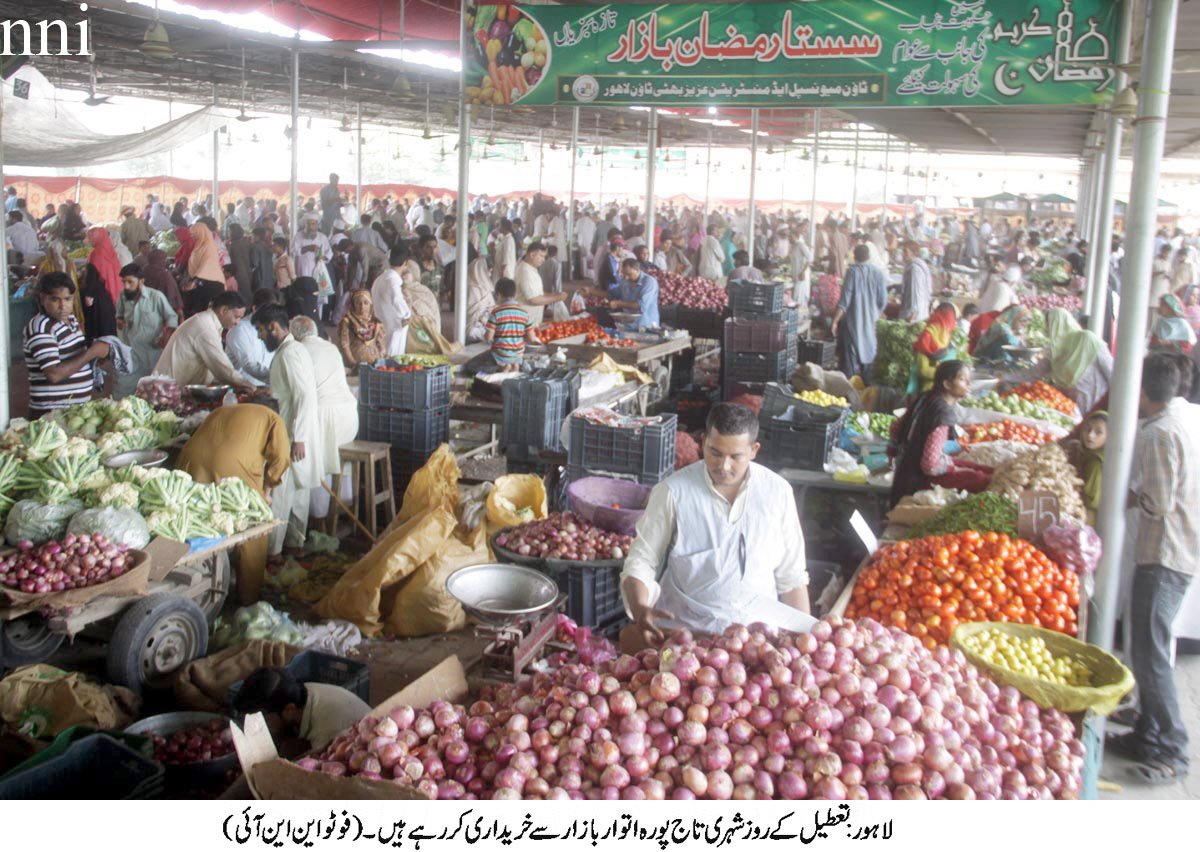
[(293, 193), (1094, 225), (812, 204), (541, 158), (358, 200), (854, 182), (216, 194), (651, 164), (600, 188), (753, 174), (464, 168), (1125, 389), (1101, 252), (907, 177), (887, 150), (5, 354), (569, 260), (707, 179)]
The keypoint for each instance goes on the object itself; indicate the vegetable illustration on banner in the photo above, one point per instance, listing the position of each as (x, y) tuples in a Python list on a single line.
[(859, 53)]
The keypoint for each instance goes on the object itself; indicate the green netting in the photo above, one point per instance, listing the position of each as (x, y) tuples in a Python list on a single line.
[(1111, 681)]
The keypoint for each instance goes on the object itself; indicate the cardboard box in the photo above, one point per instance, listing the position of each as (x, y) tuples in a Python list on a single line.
[(271, 777)]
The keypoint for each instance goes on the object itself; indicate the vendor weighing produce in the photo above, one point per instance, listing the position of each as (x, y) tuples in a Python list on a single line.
[(636, 291), (720, 543)]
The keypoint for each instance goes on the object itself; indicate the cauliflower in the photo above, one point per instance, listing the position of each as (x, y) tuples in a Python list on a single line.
[(97, 480), (136, 410), (224, 523), (53, 492), (111, 444), (121, 495)]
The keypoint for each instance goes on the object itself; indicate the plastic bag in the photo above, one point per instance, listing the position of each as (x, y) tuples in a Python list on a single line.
[(122, 526), (578, 303), (1074, 546), (516, 499), (38, 522)]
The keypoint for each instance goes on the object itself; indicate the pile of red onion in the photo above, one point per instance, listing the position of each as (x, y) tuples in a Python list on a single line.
[(565, 535), (1046, 302), (691, 291), (194, 745), (75, 562), (852, 710)]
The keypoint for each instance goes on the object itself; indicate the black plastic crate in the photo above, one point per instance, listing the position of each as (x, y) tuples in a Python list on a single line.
[(534, 409), (701, 324), (691, 405), (804, 444), (575, 472), (415, 431), (820, 352), (593, 591), (683, 370), (404, 464), (747, 334), (319, 667), (759, 367), (95, 767), (647, 451), (747, 298), (732, 389), (415, 391), (777, 399)]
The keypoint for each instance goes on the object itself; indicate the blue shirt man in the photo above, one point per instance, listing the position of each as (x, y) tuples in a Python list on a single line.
[(636, 290)]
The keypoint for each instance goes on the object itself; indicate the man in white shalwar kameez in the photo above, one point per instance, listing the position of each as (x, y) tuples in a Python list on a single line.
[(712, 256), (337, 411), (505, 252), (294, 386), (391, 308), (310, 247)]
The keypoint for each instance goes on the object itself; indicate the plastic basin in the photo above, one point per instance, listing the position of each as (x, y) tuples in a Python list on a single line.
[(615, 504)]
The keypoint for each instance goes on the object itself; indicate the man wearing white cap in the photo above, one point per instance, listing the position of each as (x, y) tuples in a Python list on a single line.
[(310, 247)]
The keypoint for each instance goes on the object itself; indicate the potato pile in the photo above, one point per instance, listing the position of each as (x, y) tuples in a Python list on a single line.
[(1047, 469)]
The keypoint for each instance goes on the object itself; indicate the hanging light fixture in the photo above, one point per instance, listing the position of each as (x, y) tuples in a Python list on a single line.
[(155, 43)]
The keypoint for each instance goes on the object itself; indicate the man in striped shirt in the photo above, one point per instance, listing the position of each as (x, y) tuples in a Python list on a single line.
[(57, 356), (508, 328)]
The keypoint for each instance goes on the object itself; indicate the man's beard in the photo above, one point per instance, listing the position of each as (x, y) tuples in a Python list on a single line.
[(272, 342)]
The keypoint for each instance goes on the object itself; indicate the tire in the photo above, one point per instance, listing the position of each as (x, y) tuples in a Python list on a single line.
[(154, 638), (212, 600), (27, 640)]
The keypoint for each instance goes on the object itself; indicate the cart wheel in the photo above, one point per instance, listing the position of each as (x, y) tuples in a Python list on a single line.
[(27, 640), (155, 637), (213, 598)]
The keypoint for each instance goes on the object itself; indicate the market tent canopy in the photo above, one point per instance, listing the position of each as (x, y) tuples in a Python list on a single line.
[(358, 20), (41, 130), (1054, 198)]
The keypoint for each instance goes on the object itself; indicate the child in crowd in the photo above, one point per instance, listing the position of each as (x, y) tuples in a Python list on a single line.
[(969, 314), (508, 328), (1088, 456)]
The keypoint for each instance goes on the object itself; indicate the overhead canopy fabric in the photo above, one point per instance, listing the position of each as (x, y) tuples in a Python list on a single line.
[(361, 20), (42, 130)]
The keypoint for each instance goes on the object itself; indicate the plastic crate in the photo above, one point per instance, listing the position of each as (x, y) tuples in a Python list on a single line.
[(535, 407), (416, 431), (319, 667), (801, 443), (416, 391), (762, 301), (593, 591), (648, 451), (575, 472), (691, 405), (733, 389), (404, 464), (700, 323), (820, 352), (683, 370), (777, 399), (744, 334), (95, 767), (759, 367)]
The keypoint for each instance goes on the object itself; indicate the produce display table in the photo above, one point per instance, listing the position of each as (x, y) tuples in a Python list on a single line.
[(577, 349), (802, 480)]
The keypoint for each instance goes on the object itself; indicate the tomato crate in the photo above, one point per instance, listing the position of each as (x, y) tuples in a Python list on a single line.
[(747, 334), (795, 441), (823, 353), (759, 301), (419, 432), (648, 451), (415, 391), (535, 407), (759, 367), (593, 591), (691, 404)]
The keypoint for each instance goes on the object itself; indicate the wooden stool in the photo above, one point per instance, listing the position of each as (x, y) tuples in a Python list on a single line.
[(366, 478)]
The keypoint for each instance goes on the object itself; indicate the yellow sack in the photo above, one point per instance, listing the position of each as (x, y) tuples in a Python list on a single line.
[(605, 364), (435, 484), (424, 339), (423, 606), (42, 701), (516, 499), (357, 596)]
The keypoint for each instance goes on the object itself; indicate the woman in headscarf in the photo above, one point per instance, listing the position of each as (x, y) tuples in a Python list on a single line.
[(1190, 296), (1004, 331), (1076, 361), (204, 261), (730, 248), (160, 278), (1172, 332), (932, 347), (160, 219), (361, 338), (301, 298), (178, 215), (918, 441), (101, 287), (421, 301), (480, 298), (73, 226), (998, 293), (239, 258)]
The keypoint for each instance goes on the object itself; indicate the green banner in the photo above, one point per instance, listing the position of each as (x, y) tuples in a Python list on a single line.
[(854, 53)]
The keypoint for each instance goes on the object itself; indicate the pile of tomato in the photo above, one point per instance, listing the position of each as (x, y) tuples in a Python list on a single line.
[(552, 331), (1047, 395), (1004, 430), (600, 337), (401, 368), (928, 586)]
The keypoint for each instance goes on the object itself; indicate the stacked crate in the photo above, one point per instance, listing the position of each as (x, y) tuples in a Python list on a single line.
[(646, 453), (797, 434), (409, 411), (760, 338), (535, 407)]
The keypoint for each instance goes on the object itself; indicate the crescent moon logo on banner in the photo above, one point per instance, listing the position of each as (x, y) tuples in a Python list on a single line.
[(1001, 86)]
